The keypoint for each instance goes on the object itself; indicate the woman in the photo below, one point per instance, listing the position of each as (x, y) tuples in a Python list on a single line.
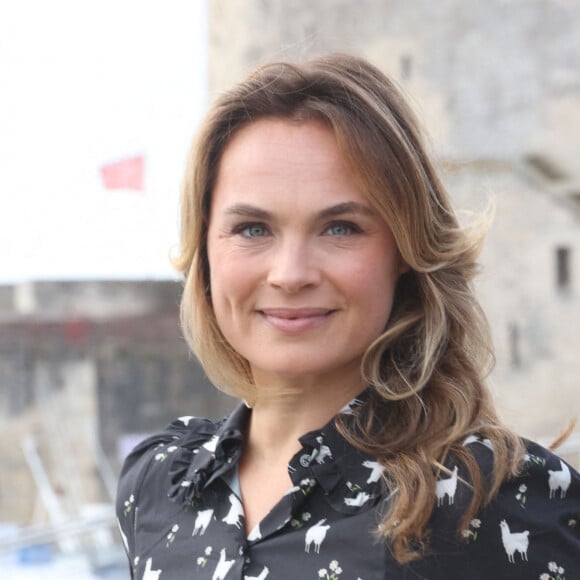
[(328, 285)]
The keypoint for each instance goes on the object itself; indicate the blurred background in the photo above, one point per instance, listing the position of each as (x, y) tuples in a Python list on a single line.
[(98, 105)]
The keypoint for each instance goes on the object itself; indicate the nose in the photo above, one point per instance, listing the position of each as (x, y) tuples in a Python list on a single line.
[(293, 266)]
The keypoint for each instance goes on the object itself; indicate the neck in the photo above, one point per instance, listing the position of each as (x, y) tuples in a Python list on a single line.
[(283, 412)]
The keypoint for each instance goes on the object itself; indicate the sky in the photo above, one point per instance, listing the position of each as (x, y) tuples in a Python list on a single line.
[(84, 83)]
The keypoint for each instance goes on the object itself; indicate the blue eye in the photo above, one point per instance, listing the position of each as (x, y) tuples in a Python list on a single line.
[(342, 229), (253, 230)]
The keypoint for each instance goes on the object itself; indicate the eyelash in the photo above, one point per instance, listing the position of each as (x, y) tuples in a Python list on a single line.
[(244, 228), (350, 226)]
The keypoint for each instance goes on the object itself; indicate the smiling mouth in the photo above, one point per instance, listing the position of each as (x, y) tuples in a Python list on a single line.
[(294, 320), (295, 313)]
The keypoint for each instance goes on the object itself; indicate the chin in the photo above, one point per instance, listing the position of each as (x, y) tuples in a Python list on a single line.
[(296, 369)]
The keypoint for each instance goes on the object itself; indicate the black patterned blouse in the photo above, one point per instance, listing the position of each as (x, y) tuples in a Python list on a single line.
[(181, 517)]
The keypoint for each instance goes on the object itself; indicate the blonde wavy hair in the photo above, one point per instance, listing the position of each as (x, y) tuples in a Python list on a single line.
[(427, 370)]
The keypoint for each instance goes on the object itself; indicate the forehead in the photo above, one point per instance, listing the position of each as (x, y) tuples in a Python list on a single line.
[(284, 155), (283, 146), (265, 137)]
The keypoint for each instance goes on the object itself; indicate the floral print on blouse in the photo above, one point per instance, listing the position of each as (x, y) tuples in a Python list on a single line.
[(181, 517)]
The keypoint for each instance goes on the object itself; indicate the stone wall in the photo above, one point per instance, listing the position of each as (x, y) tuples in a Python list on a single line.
[(494, 79), (80, 382)]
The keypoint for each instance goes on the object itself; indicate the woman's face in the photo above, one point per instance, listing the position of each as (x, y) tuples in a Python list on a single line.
[(302, 270)]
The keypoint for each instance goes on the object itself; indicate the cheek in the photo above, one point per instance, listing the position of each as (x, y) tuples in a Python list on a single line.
[(218, 280), (232, 288), (220, 270), (376, 272), (374, 281)]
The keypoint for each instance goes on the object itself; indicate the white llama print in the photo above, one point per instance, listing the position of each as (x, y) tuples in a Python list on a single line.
[(514, 542), (150, 574), (446, 487), (470, 439), (186, 419), (211, 445), (322, 453), (202, 522), (361, 498), (476, 439), (559, 480), (262, 576), (316, 535), (223, 566), (376, 470), (255, 534), (234, 516), (348, 409)]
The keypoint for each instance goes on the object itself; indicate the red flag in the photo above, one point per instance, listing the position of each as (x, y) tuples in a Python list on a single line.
[(124, 174)]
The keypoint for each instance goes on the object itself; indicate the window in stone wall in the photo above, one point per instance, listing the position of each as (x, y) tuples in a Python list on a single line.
[(563, 273)]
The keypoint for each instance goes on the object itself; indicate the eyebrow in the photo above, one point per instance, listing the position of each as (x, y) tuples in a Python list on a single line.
[(347, 207)]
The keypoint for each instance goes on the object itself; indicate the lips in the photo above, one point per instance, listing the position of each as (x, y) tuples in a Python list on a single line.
[(296, 320)]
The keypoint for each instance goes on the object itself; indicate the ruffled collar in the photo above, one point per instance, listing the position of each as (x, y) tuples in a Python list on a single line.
[(349, 480), (204, 456)]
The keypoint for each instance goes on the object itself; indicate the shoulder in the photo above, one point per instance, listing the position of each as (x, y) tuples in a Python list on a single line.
[(145, 471), (541, 468), (544, 497), (533, 523), (529, 529), (546, 490), (546, 485), (185, 431)]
